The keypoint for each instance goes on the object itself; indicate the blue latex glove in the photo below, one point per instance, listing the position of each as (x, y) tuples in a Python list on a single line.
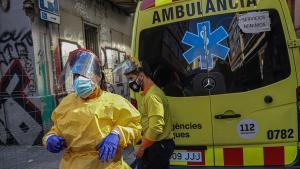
[(108, 147), (55, 144)]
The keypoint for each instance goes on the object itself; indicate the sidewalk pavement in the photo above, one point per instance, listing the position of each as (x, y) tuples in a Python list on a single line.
[(37, 157)]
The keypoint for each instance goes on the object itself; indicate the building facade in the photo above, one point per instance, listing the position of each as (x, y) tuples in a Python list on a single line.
[(33, 52), (295, 10)]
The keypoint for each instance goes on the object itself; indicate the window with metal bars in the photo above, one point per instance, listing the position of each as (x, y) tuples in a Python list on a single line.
[(91, 41)]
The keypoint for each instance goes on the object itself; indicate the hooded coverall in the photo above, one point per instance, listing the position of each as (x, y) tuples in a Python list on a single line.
[(85, 123)]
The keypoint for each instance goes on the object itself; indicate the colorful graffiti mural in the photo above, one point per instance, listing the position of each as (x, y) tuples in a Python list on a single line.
[(20, 114)]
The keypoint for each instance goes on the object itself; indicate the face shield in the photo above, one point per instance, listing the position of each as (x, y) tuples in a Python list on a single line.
[(125, 67), (122, 69), (80, 62)]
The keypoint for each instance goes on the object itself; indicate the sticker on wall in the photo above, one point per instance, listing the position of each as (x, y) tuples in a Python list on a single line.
[(205, 45), (254, 22), (247, 128)]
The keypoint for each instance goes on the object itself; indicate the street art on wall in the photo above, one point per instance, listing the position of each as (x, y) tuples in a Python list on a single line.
[(20, 114)]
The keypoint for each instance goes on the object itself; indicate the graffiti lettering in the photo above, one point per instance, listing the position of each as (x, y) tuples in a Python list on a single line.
[(25, 118), (5, 5), (27, 36), (15, 46), (20, 113), (10, 35)]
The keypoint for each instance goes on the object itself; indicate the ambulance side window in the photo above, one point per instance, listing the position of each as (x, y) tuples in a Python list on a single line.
[(255, 59)]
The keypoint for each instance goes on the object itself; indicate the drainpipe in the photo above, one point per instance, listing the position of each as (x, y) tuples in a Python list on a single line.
[(47, 96), (52, 54)]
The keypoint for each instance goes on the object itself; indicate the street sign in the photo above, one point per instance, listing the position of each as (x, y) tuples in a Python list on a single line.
[(50, 17), (51, 6)]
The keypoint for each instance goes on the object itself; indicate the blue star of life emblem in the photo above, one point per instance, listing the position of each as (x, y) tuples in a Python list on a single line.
[(213, 47)]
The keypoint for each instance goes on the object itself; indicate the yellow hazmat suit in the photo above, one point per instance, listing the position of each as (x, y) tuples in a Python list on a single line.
[(85, 123)]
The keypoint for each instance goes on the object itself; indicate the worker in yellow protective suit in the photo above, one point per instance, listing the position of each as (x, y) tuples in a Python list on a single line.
[(156, 120), (91, 125)]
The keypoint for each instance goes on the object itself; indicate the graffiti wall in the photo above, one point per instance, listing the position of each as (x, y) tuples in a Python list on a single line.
[(297, 18), (113, 35), (294, 6), (20, 115)]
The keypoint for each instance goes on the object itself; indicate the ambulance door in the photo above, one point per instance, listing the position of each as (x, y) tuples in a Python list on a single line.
[(162, 45), (192, 123), (253, 102)]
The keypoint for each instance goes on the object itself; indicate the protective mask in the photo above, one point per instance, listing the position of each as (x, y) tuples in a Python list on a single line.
[(83, 87), (135, 85)]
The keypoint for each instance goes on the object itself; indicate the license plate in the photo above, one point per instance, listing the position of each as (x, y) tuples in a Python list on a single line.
[(186, 156)]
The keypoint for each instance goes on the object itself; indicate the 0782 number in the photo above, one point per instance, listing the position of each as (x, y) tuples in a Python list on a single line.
[(280, 134)]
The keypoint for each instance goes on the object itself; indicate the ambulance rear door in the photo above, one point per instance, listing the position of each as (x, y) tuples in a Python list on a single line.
[(253, 101)]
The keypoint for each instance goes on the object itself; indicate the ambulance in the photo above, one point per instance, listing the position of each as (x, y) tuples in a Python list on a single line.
[(230, 70)]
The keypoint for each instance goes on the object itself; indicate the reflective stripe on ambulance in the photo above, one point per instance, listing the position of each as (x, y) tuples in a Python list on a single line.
[(269, 155), (253, 155)]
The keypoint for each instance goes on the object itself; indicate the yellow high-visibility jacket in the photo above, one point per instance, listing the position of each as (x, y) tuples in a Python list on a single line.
[(156, 118)]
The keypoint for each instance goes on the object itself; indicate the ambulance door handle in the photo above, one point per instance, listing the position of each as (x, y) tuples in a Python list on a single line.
[(227, 116)]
